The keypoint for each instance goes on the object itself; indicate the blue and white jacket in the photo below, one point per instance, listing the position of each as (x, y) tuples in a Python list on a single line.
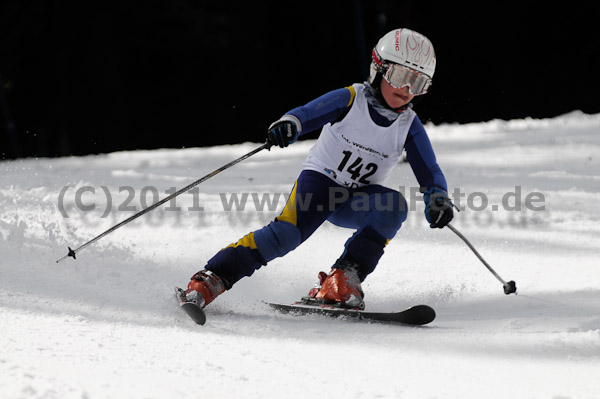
[(361, 140)]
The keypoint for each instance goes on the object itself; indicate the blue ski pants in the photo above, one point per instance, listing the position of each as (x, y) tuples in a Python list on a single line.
[(375, 212)]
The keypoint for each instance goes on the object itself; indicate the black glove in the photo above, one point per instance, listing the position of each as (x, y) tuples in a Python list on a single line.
[(438, 208), (282, 133)]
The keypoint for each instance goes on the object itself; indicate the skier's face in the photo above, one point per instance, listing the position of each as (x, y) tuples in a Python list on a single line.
[(395, 98)]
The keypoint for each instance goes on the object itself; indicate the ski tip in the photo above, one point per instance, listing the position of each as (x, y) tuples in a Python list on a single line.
[(424, 314), (195, 312)]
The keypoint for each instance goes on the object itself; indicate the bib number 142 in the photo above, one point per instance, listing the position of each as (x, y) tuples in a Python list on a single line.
[(356, 168)]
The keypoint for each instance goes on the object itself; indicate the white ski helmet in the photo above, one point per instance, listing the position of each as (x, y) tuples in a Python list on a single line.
[(404, 47)]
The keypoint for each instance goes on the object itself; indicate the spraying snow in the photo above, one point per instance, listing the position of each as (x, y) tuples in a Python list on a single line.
[(107, 326)]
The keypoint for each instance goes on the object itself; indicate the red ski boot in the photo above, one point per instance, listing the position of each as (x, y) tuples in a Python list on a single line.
[(204, 287), (341, 286)]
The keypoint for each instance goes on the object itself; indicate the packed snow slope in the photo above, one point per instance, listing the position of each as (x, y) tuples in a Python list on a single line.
[(107, 326)]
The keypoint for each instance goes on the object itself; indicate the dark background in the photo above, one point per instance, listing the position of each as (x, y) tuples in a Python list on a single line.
[(79, 77)]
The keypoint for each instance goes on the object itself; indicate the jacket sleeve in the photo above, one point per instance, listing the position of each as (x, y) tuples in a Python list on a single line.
[(322, 110), (422, 160)]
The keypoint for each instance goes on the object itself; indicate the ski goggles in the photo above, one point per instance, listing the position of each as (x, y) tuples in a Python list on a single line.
[(399, 76)]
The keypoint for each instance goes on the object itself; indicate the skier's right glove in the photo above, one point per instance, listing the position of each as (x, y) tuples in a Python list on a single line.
[(282, 133), (438, 208)]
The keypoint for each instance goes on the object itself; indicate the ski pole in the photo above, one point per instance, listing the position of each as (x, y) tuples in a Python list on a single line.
[(509, 287), (73, 252)]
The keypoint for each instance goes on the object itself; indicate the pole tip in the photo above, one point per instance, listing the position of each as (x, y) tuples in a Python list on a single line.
[(71, 253), (510, 288)]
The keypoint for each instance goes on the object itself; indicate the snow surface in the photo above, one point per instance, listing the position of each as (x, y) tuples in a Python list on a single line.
[(107, 326)]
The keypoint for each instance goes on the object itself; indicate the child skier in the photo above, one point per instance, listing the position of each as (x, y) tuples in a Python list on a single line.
[(365, 127)]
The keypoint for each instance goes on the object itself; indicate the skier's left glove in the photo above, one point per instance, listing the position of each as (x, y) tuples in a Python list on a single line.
[(438, 208), (282, 133)]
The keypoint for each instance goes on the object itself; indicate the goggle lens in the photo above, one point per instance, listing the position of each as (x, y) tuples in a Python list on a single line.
[(399, 76)]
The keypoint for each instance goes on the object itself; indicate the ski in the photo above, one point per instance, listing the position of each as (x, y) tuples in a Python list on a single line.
[(415, 316), (190, 307)]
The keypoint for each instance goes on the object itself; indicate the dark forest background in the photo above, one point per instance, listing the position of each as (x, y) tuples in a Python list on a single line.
[(80, 77)]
